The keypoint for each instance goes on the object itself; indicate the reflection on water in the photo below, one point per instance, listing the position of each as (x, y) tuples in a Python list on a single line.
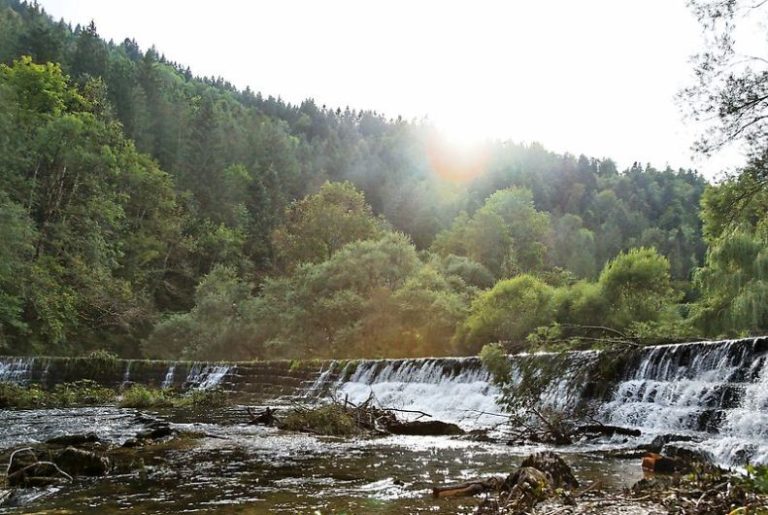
[(247, 469)]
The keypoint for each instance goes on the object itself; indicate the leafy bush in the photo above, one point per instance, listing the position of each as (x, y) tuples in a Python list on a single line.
[(84, 392), (79, 393), (203, 398), (16, 396), (103, 356), (139, 396), (330, 419)]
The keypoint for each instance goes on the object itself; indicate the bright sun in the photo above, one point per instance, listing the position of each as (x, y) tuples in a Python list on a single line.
[(457, 153)]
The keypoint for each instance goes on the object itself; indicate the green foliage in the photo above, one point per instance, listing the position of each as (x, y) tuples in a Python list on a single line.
[(167, 215), (212, 398), (508, 312), (16, 396), (218, 326), (757, 479), (507, 235), (734, 283), (636, 287), (104, 358), (141, 397), (80, 393), (321, 224), (734, 279), (495, 359), (83, 392), (330, 419)]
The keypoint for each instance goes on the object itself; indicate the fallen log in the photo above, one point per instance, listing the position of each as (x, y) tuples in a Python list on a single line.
[(467, 489), (607, 430), (265, 418)]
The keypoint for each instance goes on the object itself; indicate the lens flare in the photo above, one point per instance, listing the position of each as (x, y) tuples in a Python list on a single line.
[(455, 160)]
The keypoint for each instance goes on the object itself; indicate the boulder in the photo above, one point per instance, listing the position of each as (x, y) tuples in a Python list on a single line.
[(653, 462), (77, 462), (523, 489), (425, 428), (658, 443), (688, 454), (561, 475)]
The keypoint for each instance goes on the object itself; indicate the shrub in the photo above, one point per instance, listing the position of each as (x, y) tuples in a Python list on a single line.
[(139, 396), (203, 398), (330, 419)]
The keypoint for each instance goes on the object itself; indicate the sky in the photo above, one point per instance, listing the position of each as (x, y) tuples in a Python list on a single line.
[(594, 77)]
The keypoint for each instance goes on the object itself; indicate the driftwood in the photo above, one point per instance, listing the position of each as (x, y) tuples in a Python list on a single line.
[(605, 430), (367, 417), (37, 473), (468, 489), (265, 418)]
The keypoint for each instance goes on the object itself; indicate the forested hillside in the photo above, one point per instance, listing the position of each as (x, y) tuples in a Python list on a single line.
[(151, 212)]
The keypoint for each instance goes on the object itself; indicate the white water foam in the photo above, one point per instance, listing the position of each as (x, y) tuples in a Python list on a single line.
[(16, 370), (168, 379), (423, 385), (204, 376)]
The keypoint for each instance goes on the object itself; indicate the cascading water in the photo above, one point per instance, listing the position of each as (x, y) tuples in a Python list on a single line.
[(451, 389), (127, 374), (715, 392), (204, 376), (168, 379), (16, 370)]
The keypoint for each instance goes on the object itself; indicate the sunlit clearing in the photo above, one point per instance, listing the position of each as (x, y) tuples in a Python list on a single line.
[(456, 158)]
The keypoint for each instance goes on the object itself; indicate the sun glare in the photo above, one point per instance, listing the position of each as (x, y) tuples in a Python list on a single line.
[(457, 156)]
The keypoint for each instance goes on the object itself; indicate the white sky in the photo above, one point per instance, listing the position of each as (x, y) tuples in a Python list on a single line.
[(597, 77)]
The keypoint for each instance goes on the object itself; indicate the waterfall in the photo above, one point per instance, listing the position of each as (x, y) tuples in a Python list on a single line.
[(204, 376), (16, 370), (127, 374), (450, 389), (458, 389), (318, 385), (715, 392), (168, 379)]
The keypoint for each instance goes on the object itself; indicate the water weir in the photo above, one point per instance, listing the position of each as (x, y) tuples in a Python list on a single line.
[(715, 392)]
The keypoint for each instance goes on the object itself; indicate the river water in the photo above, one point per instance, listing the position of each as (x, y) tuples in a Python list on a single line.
[(239, 468), (715, 393)]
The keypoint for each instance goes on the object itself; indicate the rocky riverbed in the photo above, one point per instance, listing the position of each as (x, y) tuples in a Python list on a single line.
[(215, 462)]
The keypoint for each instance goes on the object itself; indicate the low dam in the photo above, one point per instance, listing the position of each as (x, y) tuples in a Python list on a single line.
[(714, 392)]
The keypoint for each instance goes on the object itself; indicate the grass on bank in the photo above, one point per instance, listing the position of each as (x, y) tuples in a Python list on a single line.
[(140, 396), (90, 393), (79, 393)]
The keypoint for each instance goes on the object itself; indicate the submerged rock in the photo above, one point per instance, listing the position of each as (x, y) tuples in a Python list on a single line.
[(78, 439), (560, 473), (77, 462), (658, 443), (425, 428), (688, 454)]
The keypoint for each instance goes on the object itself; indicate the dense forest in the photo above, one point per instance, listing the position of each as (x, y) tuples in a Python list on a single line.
[(154, 213)]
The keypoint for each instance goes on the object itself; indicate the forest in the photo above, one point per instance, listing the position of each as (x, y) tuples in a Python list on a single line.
[(153, 213)]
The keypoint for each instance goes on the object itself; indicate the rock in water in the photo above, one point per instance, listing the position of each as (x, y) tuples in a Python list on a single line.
[(77, 462), (553, 465), (425, 428), (526, 487), (658, 443)]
